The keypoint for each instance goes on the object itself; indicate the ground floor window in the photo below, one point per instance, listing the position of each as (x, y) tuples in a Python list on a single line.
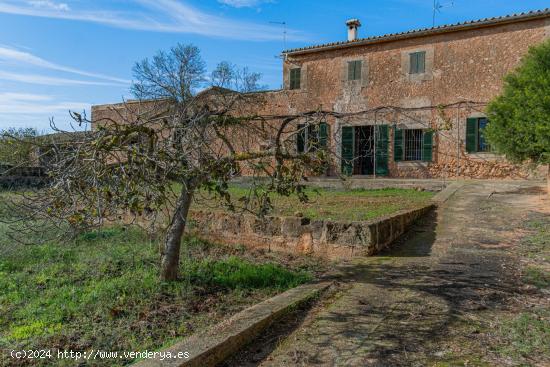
[(412, 145), (475, 135), (311, 137)]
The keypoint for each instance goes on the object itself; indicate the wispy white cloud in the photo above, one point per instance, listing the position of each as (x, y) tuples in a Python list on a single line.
[(27, 103), (49, 5), (49, 80), (244, 3), (8, 54), (170, 16)]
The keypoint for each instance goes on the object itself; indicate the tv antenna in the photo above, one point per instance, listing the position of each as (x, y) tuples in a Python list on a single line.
[(284, 31), (437, 9)]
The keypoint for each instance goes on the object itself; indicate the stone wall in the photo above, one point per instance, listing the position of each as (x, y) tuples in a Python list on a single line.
[(466, 65), (325, 238), (464, 71)]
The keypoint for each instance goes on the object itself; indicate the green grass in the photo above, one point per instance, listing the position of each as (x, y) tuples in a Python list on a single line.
[(536, 276), (102, 291), (536, 246), (525, 335), (234, 273), (355, 205)]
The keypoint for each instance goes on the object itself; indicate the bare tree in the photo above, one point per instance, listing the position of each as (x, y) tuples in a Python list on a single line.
[(145, 160), (227, 75)]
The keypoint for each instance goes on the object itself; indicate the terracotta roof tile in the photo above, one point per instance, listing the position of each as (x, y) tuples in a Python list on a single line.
[(425, 31)]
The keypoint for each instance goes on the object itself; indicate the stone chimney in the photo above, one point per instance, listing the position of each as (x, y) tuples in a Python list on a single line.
[(353, 29)]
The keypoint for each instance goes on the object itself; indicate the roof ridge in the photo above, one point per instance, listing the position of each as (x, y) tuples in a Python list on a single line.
[(490, 20)]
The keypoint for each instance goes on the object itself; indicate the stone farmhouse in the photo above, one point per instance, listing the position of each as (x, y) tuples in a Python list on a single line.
[(408, 104)]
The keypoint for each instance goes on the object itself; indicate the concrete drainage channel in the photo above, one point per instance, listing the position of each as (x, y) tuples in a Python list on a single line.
[(223, 340), (217, 344)]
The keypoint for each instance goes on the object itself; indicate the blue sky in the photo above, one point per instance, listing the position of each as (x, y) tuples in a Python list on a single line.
[(61, 55)]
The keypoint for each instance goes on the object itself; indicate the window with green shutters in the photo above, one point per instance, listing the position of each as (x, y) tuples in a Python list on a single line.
[(354, 70), (295, 76), (412, 145), (417, 62), (312, 137), (475, 138)]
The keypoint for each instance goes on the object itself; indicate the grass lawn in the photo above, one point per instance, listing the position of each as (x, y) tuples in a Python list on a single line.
[(102, 291), (355, 205)]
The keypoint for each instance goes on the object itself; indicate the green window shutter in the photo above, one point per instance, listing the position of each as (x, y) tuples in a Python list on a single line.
[(397, 145), (417, 62), (382, 143), (421, 62), (295, 75), (323, 135), (347, 150), (357, 70), (354, 70), (427, 146), (351, 70), (301, 139), (413, 63), (471, 135)]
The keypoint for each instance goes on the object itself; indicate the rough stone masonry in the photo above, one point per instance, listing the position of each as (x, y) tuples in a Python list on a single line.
[(415, 100)]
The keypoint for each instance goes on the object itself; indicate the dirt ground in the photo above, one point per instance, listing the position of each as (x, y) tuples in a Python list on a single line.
[(458, 290)]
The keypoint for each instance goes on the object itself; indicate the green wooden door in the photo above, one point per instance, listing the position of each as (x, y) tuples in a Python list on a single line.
[(382, 142), (347, 150), (427, 146)]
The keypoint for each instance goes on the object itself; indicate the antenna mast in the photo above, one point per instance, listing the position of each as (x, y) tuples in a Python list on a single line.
[(284, 31), (437, 9)]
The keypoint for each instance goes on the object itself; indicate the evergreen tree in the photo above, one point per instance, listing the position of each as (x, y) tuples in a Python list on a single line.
[(520, 117)]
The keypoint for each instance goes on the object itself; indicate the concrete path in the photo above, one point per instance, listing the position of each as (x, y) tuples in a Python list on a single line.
[(397, 305)]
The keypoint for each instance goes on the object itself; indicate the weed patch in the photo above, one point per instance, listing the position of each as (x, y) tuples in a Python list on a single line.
[(355, 205), (102, 291), (526, 334), (536, 276)]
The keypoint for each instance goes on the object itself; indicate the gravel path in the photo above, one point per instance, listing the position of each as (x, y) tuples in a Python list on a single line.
[(397, 307)]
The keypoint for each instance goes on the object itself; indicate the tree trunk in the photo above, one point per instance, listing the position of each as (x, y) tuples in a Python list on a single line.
[(548, 181), (170, 258)]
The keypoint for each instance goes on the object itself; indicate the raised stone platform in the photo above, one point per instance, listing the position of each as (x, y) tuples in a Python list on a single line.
[(325, 238)]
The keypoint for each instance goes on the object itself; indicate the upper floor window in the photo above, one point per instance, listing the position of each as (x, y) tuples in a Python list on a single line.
[(295, 76), (354, 70), (417, 62), (475, 135)]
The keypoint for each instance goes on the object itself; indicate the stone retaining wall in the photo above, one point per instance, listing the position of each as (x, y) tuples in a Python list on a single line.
[(326, 238)]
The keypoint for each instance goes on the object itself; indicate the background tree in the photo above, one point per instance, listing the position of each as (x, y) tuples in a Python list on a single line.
[(520, 117), (16, 145), (227, 75), (144, 162)]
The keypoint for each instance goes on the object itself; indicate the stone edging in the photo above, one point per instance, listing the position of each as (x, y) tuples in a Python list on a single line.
[(226, 338)]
